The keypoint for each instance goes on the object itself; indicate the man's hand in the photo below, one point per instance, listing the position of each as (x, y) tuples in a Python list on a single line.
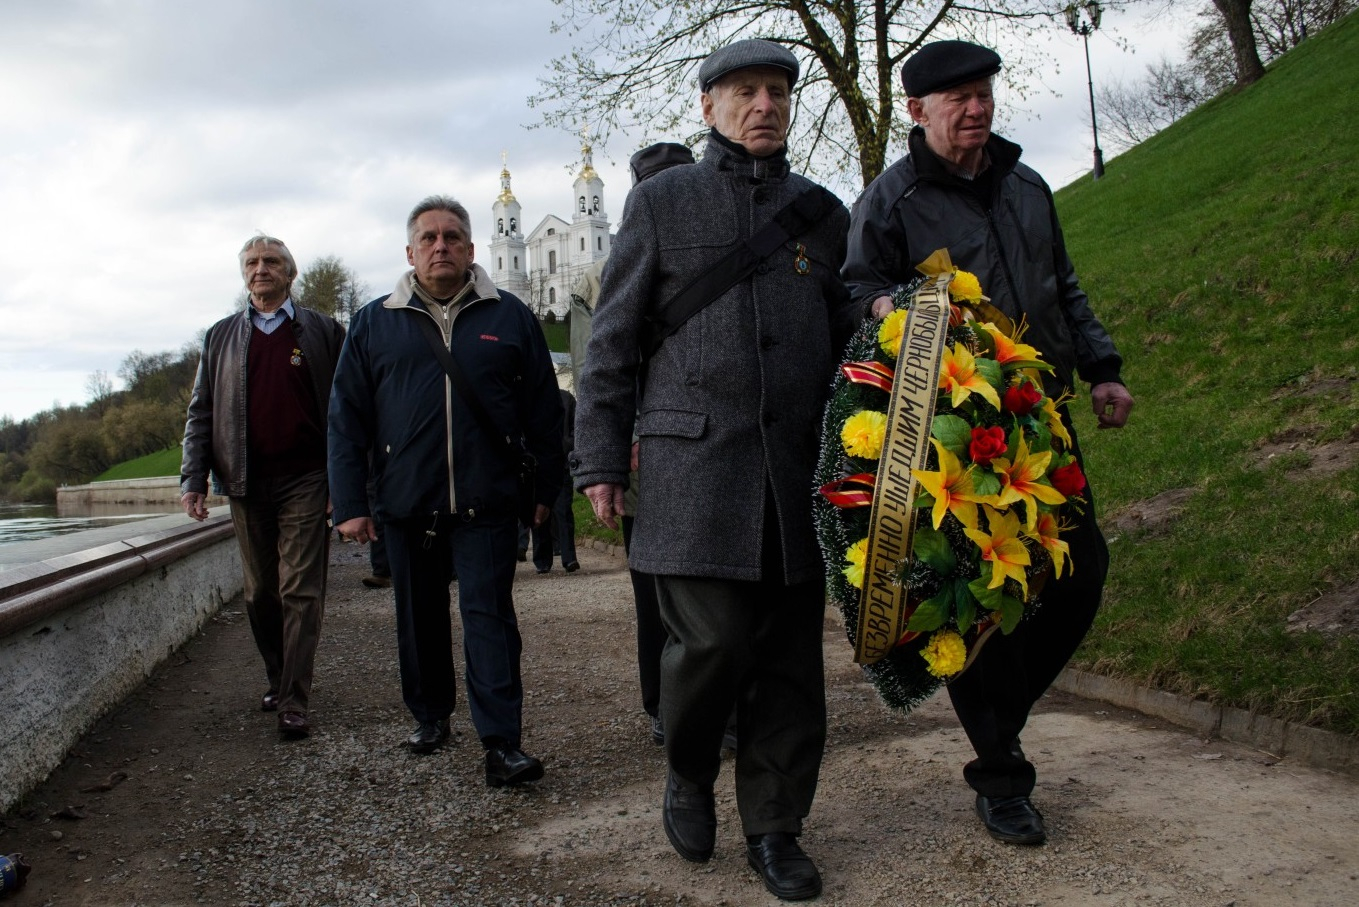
[(607, 500), (882, 307), (193, 504), (540, 514), (360, 529), (1112, 404)]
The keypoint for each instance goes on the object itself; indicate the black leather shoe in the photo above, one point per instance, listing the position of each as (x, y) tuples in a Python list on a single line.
[(1011, 819), (428, 737), (377, 582), (657, 731), (573, 567), (269, 701), (508, 765), (690, 818), (788, 873), (293, 724)]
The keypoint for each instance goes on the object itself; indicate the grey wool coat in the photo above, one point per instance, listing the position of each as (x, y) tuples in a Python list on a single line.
[(732, 402)]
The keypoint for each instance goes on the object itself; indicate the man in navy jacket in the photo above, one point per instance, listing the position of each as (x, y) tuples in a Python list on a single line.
[(446, 489)]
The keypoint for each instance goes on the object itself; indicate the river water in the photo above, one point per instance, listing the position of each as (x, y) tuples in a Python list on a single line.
[(27, 522)]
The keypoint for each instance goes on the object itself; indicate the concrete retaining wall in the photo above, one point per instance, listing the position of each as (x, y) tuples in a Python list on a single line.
[(154, 492), (81, 631)]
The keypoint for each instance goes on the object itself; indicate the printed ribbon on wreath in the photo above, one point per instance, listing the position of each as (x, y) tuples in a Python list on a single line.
[(883, 604)]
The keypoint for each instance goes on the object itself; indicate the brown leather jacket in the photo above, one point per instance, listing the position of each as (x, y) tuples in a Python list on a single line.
[(214, 435)]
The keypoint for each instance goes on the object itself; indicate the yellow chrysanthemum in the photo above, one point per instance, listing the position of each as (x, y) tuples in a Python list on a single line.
[(856, 556), (863, 434), (945, 654), (965, 287), (889, 332)]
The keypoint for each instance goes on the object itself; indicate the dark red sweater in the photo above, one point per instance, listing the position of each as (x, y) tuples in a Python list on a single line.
[(284, 436)]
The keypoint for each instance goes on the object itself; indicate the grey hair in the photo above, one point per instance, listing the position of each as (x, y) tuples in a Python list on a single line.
[(439, 203), (259, 239)]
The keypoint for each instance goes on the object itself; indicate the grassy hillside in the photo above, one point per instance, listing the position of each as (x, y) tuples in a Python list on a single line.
[(1221, 254), (161, 463)]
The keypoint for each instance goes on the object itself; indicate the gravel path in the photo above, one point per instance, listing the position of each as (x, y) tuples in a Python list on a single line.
[(213, 809)]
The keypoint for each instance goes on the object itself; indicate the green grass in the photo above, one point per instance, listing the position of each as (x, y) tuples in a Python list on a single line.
[(558, 336), (161, 463), (1221, 255)]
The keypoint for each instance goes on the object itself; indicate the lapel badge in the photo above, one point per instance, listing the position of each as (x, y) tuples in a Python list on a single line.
[(297, 357), (802, 265)]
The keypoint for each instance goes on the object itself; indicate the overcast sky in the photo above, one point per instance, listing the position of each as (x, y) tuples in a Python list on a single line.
[(144, 140)]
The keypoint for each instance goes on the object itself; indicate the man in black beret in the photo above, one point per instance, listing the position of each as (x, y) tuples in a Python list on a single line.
[(724, 418), (962, 188)]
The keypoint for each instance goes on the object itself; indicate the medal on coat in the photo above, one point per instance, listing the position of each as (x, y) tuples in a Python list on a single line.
[(802, 265), (297, 357)]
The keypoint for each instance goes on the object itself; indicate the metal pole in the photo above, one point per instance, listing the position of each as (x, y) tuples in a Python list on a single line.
[(1090, 83)]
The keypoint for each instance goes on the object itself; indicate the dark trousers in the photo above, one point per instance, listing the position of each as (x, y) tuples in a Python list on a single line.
[(993, 697), (482, 552), (755, 646), (285, 544), (651, 635), (559, 527)]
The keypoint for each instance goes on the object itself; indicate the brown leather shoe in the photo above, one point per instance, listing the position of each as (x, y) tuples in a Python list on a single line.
[(293, 724), (269, 701)]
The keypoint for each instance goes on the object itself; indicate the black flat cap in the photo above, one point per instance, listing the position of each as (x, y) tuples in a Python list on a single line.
[(946, 64), (652, 159), (744, 54)]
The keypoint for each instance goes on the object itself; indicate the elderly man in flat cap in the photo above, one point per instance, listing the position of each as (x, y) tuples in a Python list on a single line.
[(720, 315), (963, 188)]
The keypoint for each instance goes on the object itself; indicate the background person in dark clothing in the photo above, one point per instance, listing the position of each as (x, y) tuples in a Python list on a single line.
[(558, 532), (447, 490), (964, 189), (257, 423)]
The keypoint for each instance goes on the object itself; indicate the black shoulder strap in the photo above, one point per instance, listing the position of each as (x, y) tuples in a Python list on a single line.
[(798, 216), (462, 385)]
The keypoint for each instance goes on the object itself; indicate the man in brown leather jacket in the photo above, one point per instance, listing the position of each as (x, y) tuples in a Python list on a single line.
[(257, 423)]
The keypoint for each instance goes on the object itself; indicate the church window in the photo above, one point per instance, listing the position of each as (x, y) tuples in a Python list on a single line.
[(582, 204), (516, 262), (500, 263), (513, 226), (599, 243), (500, 225), (582, 243), (551, 231), (552, 262), (595, 200), (551, 295)]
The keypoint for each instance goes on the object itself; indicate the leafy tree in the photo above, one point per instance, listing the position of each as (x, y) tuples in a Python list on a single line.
[(1235, 36), (637, 61), (71, 449), (142, 427), (100, 389), (331, 288)]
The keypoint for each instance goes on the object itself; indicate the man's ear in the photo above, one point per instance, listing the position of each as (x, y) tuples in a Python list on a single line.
[(706, 102), (916, 108)]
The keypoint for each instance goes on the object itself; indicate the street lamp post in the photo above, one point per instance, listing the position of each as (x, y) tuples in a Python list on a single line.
[(1084, 27)]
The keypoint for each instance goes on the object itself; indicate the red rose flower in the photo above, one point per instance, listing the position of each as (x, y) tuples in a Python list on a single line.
[(987, 444), (1069, 479), (1020, 399)]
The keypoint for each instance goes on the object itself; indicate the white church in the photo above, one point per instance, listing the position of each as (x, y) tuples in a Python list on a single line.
[(542, 268)]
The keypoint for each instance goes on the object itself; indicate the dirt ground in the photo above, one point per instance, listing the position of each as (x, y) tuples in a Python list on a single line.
[(185, 795)]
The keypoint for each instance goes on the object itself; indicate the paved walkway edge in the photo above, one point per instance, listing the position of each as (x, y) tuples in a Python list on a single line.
[(1282, 739)]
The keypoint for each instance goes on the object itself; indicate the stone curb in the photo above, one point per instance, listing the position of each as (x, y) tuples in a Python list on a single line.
[(1282, 739)]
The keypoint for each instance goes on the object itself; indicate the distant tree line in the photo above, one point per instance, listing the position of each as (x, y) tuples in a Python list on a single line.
[(73, 444), (1228, 49)]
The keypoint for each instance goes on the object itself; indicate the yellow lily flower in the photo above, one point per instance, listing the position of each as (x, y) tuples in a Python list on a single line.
[(951, 487), (1021, 479), (1011, 354), (961, 379), (1053, 419), (1045, 534), (1003, 548)]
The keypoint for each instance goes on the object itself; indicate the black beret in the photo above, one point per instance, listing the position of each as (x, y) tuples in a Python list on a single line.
[(946, 64), (652, 159), (744, 54)]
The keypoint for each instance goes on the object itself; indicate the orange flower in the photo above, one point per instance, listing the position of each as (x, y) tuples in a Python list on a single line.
[(1045, 534), (1021, 479), (951, 487), (960, 378)]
